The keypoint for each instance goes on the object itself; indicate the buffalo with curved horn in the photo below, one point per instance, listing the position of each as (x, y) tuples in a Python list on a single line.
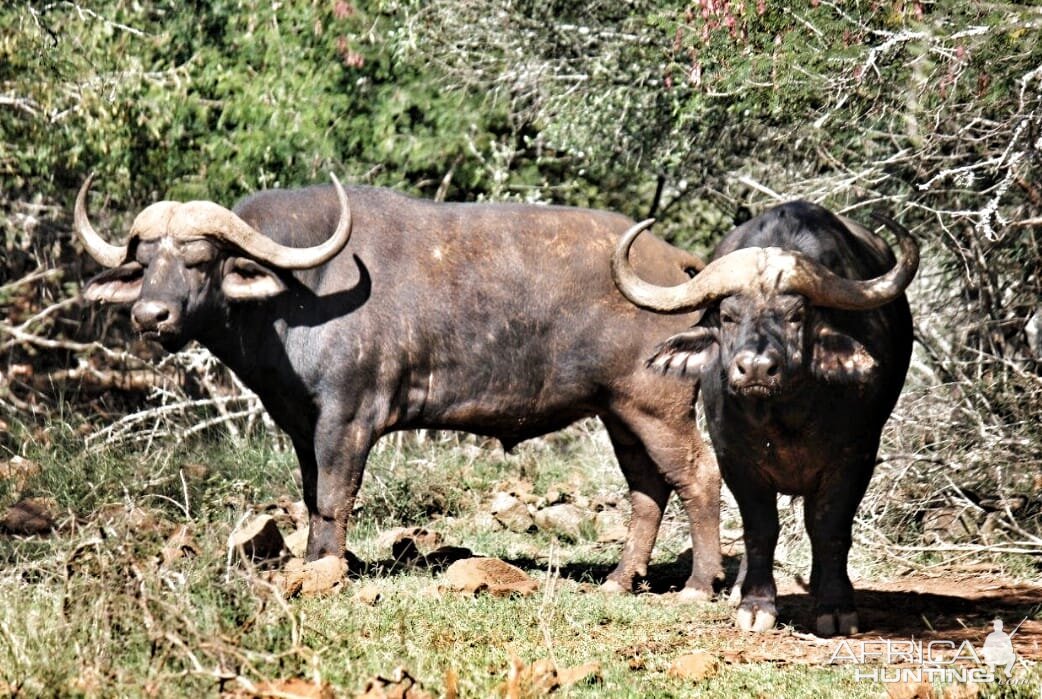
[(396, 313), (801, 353)]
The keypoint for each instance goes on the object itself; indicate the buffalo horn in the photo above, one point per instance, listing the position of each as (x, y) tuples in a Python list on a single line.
[(105, 253), (751, 268), (231, 228)]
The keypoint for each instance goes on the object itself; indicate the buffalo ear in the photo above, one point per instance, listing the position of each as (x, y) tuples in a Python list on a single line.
[(685, 354), (246, 280), (119, 285), (839, 358)]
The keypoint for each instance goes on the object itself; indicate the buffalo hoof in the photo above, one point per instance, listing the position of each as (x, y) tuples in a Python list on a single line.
[(758, 618), (694, 594), (735, 597), (836, 624), (613, 587)]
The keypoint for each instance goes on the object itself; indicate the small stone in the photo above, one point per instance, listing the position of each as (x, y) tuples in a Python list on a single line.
[(311, 578), (297, 542), (369, 595), (512, 513), (422, 539), (489, 575), (259, 539), (697, 666), (564, 520), (610, 526)]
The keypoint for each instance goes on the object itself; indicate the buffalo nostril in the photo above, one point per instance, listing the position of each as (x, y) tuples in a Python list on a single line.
[(149, 315), (772, 369)]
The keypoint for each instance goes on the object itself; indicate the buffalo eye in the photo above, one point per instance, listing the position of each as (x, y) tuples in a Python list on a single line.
[(145, 253), (690, 272), (797, 317), (197, 253), (726, 318)]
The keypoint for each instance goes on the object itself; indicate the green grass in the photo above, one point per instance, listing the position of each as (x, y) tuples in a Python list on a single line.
[(91, 610)]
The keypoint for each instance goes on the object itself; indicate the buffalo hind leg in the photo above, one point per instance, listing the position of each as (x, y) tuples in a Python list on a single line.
[(657, 460), (649, 493), (757, 610)]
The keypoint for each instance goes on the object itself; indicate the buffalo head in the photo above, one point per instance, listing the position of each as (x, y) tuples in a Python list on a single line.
[(183, 260), (767, 324)]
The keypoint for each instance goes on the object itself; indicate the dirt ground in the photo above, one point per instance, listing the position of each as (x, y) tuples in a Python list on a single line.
[(956, 606)]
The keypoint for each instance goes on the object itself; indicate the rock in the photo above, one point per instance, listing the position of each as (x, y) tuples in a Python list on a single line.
[(610, 526), (297, 542), (486, 522), (512, 513), (30, 516), (697, 666), (327, 574), (259, 539), (422, 540), (489, 575), (296, 510), (565, 520), (444, 556), (369, 595)]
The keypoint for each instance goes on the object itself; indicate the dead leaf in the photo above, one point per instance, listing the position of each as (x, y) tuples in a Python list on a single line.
[(489, 575), (259, 539), (179, 545), (30, 516), (542, 677), (196, 472), (909, 690), (697, 666), (401, 686), (18, 471), (588, 673), (293, 688)]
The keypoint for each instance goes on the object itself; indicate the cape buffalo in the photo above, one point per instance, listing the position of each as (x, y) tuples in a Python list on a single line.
[(395, 313), (801, 353)]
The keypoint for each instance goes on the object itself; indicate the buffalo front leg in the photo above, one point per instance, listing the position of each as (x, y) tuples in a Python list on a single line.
[(757, 610), (331, 485), (829, 516)]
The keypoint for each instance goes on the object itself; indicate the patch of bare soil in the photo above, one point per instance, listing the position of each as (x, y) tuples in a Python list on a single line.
[(951, 607)]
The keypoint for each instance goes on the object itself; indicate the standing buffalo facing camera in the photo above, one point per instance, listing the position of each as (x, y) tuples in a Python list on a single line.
[(801, 353), (392, 313)]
